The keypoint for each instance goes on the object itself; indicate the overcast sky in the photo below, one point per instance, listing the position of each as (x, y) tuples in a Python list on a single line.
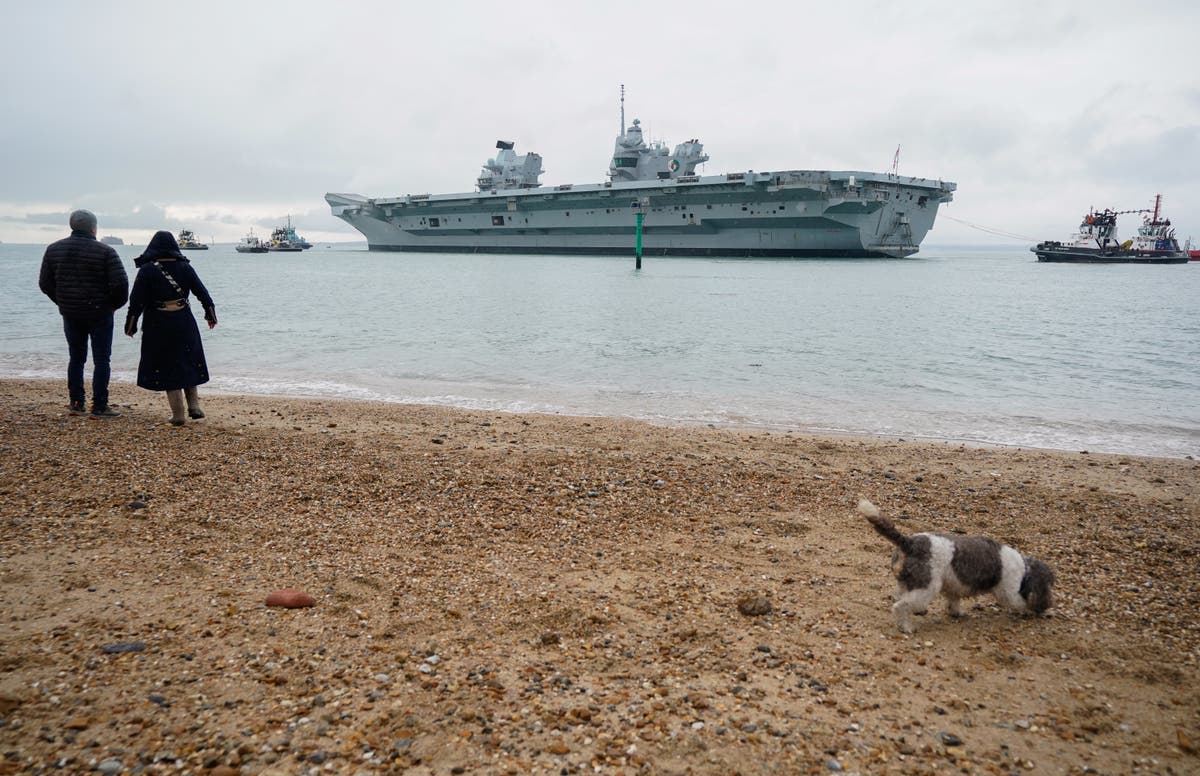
[(220, 116)]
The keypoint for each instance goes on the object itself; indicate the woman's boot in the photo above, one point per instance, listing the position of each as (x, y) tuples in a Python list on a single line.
[(193, 402), (175, 399)]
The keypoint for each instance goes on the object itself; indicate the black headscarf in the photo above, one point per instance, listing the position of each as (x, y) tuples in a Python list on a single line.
[(162, 246)]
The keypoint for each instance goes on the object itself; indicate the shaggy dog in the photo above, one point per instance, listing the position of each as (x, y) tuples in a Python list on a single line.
[(958, 567)]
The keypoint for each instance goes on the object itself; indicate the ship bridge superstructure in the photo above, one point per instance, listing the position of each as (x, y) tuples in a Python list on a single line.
[(509, 171), (635, 160)]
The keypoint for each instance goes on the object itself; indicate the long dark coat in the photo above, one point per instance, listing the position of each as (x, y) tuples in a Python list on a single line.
[(172, 353)]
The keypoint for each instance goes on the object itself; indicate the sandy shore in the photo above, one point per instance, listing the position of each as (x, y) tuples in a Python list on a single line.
[(510, 594)]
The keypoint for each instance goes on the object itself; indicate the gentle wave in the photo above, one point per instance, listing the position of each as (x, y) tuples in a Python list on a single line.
[(986, 347)]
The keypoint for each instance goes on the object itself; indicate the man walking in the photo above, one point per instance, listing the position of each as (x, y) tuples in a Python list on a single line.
[(87, 281)]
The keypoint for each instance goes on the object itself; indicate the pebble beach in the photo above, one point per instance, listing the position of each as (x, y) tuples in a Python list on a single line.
[(510, 594)]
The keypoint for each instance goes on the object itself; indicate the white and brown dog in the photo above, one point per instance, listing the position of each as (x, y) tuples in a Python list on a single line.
[(926, 564)]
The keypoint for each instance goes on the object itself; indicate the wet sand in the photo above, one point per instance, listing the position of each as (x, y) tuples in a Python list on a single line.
[(503, 593)]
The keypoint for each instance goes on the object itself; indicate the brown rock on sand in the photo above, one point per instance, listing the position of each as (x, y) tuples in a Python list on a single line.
[(290, 598)]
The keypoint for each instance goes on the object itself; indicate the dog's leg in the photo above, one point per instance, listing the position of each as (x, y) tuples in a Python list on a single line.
[(954, 605), (910, 602)]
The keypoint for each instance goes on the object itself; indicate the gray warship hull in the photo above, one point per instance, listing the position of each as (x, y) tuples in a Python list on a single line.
[(789, 214)]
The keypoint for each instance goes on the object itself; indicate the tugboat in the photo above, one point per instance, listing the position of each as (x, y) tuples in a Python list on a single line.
[(287, 235), (1096, 241), (250, 244), (188, 241)]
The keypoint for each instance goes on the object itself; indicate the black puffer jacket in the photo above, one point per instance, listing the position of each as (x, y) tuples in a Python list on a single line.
[(83, 276)]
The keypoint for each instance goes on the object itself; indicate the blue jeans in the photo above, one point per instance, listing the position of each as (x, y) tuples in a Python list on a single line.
[(100, 331)]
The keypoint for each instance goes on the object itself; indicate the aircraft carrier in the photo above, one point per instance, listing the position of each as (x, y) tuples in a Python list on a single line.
[(786, 213)]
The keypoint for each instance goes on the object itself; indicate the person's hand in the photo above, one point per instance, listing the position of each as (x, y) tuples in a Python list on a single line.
[(212, 324), (130, 326)]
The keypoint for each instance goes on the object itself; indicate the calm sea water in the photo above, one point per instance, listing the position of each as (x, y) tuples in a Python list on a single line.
[(985, 346)]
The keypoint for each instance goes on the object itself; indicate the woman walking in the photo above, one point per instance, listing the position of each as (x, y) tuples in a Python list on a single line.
[(172, 354)]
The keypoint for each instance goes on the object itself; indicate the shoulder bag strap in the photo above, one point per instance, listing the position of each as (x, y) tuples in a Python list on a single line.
[(170, 279)]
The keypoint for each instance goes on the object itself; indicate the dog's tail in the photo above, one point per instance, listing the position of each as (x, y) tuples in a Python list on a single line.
[(884, 526)]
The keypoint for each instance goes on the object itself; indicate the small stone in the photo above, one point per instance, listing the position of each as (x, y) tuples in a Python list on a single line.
[(136, 505), (161, 700), (558, 747), (109, 766), (123, 646), (318, 757), (833, 765), (948, 739), (550, 639), (754, 605), (290, 598)]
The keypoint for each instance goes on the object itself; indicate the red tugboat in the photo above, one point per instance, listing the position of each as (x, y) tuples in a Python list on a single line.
[(1096, 241)]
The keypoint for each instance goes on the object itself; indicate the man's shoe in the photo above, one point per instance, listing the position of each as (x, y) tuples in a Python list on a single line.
[(104, 412), (77, 408)]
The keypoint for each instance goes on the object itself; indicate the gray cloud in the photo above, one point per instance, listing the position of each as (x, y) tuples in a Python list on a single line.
[(237, 114)]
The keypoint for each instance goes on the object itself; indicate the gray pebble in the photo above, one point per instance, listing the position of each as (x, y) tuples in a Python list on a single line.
[(123, 646), (109, 766)]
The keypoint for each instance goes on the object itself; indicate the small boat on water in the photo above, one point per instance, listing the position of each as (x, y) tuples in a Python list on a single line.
[(188, 241), (287, 235), (279, 244), (108, 239), (1096, 241), (251, 244)]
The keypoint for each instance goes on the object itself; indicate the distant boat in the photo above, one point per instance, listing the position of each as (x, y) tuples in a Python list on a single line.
[(283, 245), (1096, 241), (286, 234), (108, 239), (250, 244), (188, 241)]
